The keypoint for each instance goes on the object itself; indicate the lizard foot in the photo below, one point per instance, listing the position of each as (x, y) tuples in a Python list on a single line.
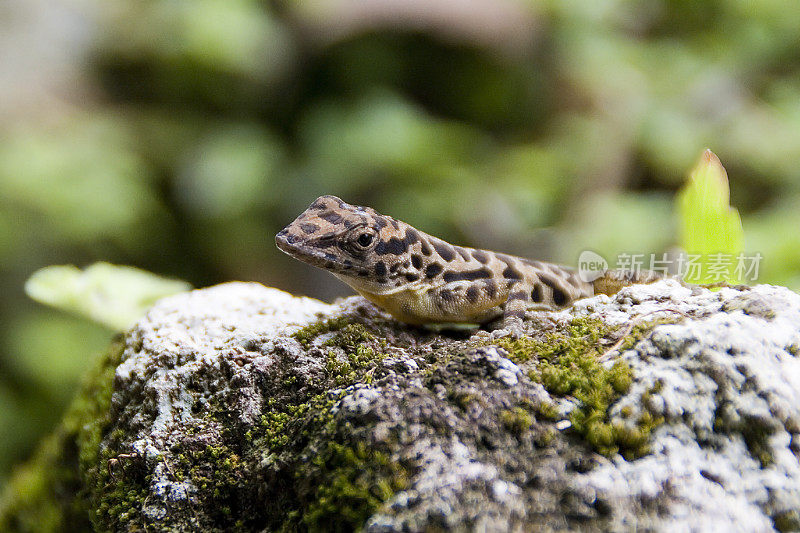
[(510, 328)]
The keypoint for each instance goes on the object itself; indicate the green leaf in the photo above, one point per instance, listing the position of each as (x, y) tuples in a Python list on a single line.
[(710, 229), (111, 295)]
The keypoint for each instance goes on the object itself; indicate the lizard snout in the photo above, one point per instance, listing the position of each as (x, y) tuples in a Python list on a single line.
[(284, 240)]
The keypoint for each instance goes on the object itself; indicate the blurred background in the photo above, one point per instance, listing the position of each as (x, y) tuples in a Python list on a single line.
[(179, 136)]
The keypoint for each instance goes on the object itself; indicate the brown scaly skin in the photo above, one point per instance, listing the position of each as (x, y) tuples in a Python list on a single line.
[(420, 279)]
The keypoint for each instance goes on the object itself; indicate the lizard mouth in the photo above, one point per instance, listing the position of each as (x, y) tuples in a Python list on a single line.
[(293, 246), (284, 240)]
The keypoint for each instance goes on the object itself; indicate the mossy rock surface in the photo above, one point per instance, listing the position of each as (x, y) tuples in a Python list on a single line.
[(243, 408)]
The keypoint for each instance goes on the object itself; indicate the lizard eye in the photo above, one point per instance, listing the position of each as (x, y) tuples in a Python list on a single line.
[(364, 240), (360, 240)]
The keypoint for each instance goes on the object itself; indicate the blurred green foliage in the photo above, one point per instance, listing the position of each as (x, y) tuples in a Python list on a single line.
[(190, 131), (110, 295)]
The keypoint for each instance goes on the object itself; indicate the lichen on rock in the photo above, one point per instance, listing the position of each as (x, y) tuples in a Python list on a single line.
[(240, 407)]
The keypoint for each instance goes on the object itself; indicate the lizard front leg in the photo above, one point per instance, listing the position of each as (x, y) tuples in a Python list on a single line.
[(519, 300)]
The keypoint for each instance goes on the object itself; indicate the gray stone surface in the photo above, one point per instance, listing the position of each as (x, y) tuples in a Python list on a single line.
[(729, 391), (222, 419)]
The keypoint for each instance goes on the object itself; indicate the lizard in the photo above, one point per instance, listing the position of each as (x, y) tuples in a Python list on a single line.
[(421, 279)]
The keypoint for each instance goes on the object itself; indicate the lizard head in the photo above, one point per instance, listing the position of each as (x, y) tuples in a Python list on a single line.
[(363, 248)]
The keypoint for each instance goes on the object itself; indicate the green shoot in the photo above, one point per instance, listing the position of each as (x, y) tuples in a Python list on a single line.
[(710, 229)]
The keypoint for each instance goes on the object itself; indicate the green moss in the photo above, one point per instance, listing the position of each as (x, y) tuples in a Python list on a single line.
[(121, 499), (350, 336), (463, 399), (546, 410), (337, 488), (566, 363), (608, 438), (312, 331), (544, 438), (54, 491), (346, 371), (516, 420), (73, 484), (218, 473), (274, 434), (355, 481), (273, 424), (115, 484), (580, 336)]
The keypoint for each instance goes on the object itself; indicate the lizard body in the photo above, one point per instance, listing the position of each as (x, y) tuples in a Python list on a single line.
[(420, 279)]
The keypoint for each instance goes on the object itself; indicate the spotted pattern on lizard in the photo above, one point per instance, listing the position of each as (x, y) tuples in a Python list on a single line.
[(420, 279)]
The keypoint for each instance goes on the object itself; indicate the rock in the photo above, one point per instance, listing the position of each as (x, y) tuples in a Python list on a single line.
[(240, 407)]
